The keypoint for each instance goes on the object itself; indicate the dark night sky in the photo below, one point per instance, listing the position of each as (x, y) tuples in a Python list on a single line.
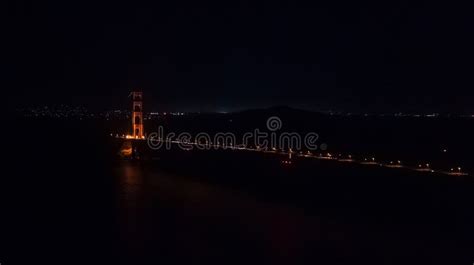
[(221, 55)]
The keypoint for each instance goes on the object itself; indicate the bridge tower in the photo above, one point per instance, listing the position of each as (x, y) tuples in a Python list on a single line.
[(137, 115)]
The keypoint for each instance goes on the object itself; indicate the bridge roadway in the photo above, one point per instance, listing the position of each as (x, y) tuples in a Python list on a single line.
[(323, 156)]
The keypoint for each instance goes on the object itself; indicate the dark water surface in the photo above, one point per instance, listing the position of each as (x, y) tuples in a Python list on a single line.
[(65, 199)]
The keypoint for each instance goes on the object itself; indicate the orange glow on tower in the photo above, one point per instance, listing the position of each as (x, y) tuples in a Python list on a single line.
[(137, 115)]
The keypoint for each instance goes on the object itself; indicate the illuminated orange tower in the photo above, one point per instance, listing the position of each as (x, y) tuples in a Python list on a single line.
[(137, 115)]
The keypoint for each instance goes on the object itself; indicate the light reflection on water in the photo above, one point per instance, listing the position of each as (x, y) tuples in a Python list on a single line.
[(130, 192), (131, 183)]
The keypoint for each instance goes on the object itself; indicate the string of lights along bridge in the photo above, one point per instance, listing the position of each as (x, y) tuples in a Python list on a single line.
[(138, 133)]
